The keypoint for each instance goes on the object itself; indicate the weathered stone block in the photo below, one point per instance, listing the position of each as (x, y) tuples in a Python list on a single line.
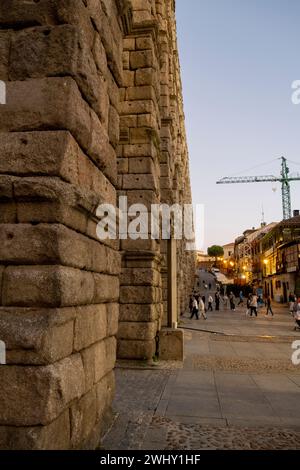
[(129, 44), (20, 13), (138, 312), (128, 121), (46, 390), (171, 344), (141, 181), (100, 55), (36, 336), (137, 294), (147, 120), (125, 59), (142, 18), (144, 43), (139, 277), (54, 436), (112, 318), (53, 153), (58, 51), (5, 37), (56, 103), (141, 165), (123, 166), (106, 288), (90, 325), (114, 126), (140, 150), (145, 76), (83, 415), (140, 93), (137, 331), (132, 349), (137, 107), (35, 286), (105, 393)]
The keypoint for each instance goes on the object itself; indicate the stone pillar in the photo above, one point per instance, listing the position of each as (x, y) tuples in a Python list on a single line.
[(139, 171), (172, 283)]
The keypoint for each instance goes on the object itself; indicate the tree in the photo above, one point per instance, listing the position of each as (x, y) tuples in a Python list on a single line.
[(215, 251)]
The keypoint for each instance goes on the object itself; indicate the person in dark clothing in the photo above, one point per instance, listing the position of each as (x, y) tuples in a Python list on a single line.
[(231, 301), (210, 303), (209, 286), (269, 306), (191, 304), (241, 301), (195, 309), (217, 300), (204, 301)]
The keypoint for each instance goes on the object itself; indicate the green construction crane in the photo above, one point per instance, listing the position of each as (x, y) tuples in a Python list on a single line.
[(284, 179)]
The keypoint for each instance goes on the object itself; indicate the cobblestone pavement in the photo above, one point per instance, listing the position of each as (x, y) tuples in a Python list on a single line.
[(138, 395), (234, 391), (194, 437)]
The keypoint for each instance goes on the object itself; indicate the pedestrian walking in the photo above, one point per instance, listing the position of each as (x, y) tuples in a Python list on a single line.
[(253, 305), (204, 301), (292, 300), (210, 303), (209, 286), (225, 301), (195, 309), (241, 297), (202, 310), (296, 312), (249, 299), (269, 306), (217, 300), (231, 301)]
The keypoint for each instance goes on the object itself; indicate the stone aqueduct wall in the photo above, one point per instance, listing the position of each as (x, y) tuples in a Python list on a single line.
[(94, 110)]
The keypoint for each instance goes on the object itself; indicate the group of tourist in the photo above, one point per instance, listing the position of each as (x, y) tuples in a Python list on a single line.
[(198, 305)]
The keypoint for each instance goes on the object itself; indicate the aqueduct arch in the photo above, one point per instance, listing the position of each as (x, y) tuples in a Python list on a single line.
[(94, 110)]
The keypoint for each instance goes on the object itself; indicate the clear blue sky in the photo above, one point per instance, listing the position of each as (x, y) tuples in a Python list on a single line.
[(238, 60)]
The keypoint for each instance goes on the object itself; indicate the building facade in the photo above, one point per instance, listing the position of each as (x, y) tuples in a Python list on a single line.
[(280, 252)]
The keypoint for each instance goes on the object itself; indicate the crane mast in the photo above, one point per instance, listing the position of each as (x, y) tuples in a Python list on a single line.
[(284, 179)]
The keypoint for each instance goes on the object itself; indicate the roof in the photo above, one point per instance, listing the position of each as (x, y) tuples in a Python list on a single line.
[(261, 231), (292, 222)]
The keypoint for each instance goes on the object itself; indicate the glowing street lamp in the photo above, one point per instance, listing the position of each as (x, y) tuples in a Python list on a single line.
[(266, 261)]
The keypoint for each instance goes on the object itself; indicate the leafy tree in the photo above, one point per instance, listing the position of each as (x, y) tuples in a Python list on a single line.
[(215, 251)]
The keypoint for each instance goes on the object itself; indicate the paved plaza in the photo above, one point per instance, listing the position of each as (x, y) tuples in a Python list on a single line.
[(237, 389)]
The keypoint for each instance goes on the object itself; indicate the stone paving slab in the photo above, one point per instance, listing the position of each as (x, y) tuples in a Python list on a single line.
[(233, 392)]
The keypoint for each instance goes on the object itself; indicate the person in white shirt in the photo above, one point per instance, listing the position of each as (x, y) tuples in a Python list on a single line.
[(195, 308), (202, 309), (210, 303), (253, 305)]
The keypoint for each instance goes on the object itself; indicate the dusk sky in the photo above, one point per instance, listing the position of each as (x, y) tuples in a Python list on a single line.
[(238, 61)]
